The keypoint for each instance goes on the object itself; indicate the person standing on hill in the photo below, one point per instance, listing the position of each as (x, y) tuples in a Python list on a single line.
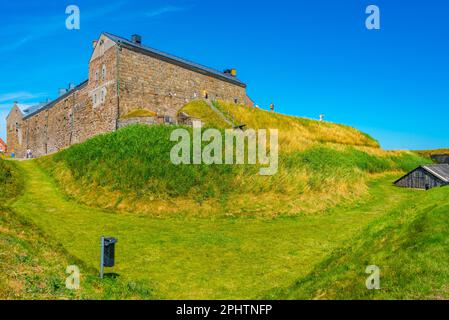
[(272, 107)]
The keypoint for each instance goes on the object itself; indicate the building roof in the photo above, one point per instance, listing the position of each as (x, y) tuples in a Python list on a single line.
[(31, 111), (2, 142), (175, 60), (440, 171)]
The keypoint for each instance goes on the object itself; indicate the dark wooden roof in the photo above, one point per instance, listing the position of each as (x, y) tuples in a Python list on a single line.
[(439, 171)]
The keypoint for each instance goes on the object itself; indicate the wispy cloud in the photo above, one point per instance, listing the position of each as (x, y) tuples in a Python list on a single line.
[(36, 29), (20, 96), (15, 45), (163, 10)]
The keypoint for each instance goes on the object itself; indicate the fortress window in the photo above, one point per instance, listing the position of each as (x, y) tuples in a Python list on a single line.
[(103, 72), (95, 99), (96, 75), (103, 95)]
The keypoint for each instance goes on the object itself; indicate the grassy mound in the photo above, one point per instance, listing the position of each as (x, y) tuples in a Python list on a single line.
[(430, 153), (408, 245), (131, 170), (294, 133), (139, 113), (200, 110), (10, 182), (32, 265)]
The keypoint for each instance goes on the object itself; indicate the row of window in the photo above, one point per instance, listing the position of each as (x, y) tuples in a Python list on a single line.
[(99, 97), (103, 73)]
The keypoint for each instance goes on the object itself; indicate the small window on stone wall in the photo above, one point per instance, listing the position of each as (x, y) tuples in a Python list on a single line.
[(103, 95), (103, 72), (95, 99), (96, 75)]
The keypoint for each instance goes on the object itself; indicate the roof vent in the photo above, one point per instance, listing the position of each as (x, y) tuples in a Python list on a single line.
[(137, 39)]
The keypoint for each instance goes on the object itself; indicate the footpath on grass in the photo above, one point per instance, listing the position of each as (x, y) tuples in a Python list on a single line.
[(193, 258)]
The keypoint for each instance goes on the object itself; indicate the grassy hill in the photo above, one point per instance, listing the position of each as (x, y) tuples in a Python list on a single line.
[(221, 231), (294, 133), (321, 165), (33, 264), (130, 170), (409, 245)]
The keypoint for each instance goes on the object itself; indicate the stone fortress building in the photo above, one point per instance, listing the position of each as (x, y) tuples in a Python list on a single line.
[(124, 76)]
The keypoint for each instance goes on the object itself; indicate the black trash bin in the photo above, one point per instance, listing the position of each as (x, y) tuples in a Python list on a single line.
[(109, 252)]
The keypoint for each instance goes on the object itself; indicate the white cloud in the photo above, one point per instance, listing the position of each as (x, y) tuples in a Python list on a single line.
[(163, 10), (19, 96)]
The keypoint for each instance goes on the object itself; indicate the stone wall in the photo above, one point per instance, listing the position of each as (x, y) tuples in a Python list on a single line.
[(75, 117), (141, 120), (164, 88), (14, 130), (120, 81)]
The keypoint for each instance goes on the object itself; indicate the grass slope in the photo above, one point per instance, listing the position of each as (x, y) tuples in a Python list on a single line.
[(294, 133), (32, 265), (200, 110), (409, 245), (192, 258), (130, 170), (224, 232)]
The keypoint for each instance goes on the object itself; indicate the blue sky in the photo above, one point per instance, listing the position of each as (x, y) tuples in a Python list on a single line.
[(308, 57)]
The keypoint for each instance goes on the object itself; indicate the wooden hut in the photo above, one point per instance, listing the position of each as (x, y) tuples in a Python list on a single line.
[(426, 177)]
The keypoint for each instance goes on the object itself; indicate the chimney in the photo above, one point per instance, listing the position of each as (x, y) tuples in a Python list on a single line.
[(94, 43), (137, 39), (231, 72)]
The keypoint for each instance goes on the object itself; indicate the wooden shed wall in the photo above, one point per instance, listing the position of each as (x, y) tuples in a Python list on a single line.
[(419, 179)]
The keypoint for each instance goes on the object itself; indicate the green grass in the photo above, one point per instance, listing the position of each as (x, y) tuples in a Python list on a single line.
[(139, 113), (193, 258), (222, 232), (10, 181), (200, 110), (409, 245), (32, 264), (295, 131), (120, 171)]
